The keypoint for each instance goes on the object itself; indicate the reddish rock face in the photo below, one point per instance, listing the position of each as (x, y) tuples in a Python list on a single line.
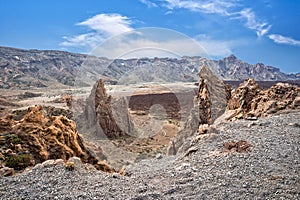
[(33, 136), (249, 100), (243, 95)]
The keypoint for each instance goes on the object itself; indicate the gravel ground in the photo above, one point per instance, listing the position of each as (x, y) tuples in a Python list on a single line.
[(269, 171)]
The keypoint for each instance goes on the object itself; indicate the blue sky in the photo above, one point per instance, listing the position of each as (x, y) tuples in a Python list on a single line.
[(266, 31)]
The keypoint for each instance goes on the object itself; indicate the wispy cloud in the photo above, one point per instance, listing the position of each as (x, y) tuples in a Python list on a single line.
[(148, 3), (208, 6), (88, 40), (227, 8), (261, 28), (100, 27), (284, 40)]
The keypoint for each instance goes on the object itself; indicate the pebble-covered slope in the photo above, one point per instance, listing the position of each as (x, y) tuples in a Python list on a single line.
[(269, 171)]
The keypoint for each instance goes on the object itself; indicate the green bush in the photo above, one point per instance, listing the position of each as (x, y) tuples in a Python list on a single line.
[(18, 162), (13, 138)]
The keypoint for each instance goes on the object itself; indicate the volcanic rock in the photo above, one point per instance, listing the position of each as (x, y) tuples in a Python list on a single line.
[(107, 117), (210, 103), (35, 136), (212, 96), (6, 171), (249, 100)]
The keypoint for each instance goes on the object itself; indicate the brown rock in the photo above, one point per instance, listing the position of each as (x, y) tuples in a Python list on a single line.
[(212, 96), (211, 102), (44, 137), (296, 102), (6, 171), (203, 128), (240, 146), (249, 100)]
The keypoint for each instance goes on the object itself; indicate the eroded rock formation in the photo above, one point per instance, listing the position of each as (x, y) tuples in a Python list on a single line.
[(34, 136), (249, 100), (212, 96), (210, 103), (106, 116)]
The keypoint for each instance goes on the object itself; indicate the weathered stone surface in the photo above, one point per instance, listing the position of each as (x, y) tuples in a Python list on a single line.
[(107, 117), (35, 136), (249, 100), (210, 103), (6, 171)]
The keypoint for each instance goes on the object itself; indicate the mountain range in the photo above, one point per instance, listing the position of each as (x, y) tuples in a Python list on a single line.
[(21, 68)]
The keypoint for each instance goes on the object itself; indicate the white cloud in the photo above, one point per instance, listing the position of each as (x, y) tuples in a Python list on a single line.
[(148, 3), (228, 8), (84, 40), (109, 24), (284, 40), (261, 28), (208, 6), (100, 27)]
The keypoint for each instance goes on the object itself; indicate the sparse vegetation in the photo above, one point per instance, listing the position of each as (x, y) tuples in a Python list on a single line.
[(14, 139), (19, 162)]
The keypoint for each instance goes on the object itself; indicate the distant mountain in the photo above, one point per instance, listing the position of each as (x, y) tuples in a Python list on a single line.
[(42, 68)]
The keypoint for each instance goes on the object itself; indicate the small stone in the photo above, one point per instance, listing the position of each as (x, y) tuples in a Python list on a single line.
[(158, 156), (6, 171), (264, 124), (116, 175), (70, 166), (294, 125), (251, 124), (142, 189), (48, 163), (252, 118), (194, 169), (75, 160)]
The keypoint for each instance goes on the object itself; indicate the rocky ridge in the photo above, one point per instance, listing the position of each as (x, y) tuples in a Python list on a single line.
[(37, 68)]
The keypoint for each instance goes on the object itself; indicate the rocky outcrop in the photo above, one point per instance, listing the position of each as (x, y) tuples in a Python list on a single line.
[(105, 116), (249, 100), (210, 103), (212, 96), (34, 136)]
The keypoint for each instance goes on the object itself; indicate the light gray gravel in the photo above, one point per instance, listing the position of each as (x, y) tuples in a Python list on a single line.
[(269, 171)]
